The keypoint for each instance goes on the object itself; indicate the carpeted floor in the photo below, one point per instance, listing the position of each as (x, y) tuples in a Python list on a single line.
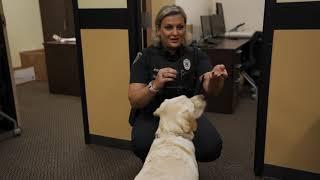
[(52, 144)]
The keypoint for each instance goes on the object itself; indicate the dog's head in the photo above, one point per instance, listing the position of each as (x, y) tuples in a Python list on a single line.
[(178, 115)]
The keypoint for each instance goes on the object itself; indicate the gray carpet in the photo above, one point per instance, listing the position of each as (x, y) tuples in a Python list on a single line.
[(52, 144)]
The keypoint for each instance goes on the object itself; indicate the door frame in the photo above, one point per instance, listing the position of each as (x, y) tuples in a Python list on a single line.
[(7, 99), (277, 16)]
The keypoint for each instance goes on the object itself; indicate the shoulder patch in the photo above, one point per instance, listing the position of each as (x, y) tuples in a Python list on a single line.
[(136, 59)]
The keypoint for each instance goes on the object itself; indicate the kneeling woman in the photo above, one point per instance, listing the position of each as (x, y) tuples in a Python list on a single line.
[(167, 69)]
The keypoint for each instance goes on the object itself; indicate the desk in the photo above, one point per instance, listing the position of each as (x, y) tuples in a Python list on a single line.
[(227, 52), (62, 68)]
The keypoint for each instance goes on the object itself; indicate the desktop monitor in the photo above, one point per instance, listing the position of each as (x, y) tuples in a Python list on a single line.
[(217, 25), (219, 9), (206, 27)]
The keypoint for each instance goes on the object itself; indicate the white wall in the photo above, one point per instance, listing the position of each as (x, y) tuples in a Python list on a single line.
[(194, 9), (24, 27), (250, 12)]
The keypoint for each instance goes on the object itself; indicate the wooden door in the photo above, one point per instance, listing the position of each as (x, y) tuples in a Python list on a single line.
[(7, 100)]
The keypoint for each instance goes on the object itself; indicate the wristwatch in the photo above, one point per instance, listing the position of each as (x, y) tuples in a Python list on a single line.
[(150, 87)]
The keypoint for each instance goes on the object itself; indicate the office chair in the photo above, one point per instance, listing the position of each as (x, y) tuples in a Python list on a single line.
[(251, 65), (16, 131)]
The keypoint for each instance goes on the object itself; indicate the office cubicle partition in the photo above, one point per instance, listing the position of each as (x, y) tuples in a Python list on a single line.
[(108, 39), (288, 126)]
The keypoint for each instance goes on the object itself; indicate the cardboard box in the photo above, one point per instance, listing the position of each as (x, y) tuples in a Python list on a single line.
[(24, 75), (35, 58)]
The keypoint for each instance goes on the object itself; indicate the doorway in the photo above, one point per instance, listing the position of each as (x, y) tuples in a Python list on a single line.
[(44, 70)]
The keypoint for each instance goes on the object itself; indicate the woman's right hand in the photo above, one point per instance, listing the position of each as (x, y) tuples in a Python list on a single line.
[(164, 75)]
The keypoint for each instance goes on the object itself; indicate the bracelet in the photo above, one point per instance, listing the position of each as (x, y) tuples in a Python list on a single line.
[(150, 87)]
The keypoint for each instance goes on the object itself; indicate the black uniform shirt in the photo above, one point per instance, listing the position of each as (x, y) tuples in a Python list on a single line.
[(189, 62)]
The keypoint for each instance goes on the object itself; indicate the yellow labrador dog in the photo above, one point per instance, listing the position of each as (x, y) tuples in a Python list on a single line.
[(171, 156)]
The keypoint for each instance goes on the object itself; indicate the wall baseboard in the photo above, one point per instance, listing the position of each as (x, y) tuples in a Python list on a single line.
[(111, 142), (288, 174)]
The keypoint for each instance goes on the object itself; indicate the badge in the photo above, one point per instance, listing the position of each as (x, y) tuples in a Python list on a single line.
[(186, 64), (139, 54)]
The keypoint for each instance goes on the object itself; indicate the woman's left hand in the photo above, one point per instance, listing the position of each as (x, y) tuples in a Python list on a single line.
[(214, 80)]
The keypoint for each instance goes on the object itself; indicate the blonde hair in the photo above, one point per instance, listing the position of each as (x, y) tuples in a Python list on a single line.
[(170, 10)]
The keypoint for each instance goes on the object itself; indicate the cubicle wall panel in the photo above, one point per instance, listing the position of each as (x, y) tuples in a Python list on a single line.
[(293, 116), (106, 72), (104, 18), (299, 15), (291, 1), (101, 4)]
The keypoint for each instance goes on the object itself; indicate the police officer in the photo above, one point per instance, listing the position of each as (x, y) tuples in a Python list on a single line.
[(167, 69)]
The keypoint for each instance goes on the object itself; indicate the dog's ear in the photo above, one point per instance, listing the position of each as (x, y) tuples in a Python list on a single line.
[(194, 124), (199, 105), (186, 121), (159, 110)]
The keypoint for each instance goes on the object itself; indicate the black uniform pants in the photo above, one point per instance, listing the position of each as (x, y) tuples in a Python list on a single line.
[(207, 141)]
